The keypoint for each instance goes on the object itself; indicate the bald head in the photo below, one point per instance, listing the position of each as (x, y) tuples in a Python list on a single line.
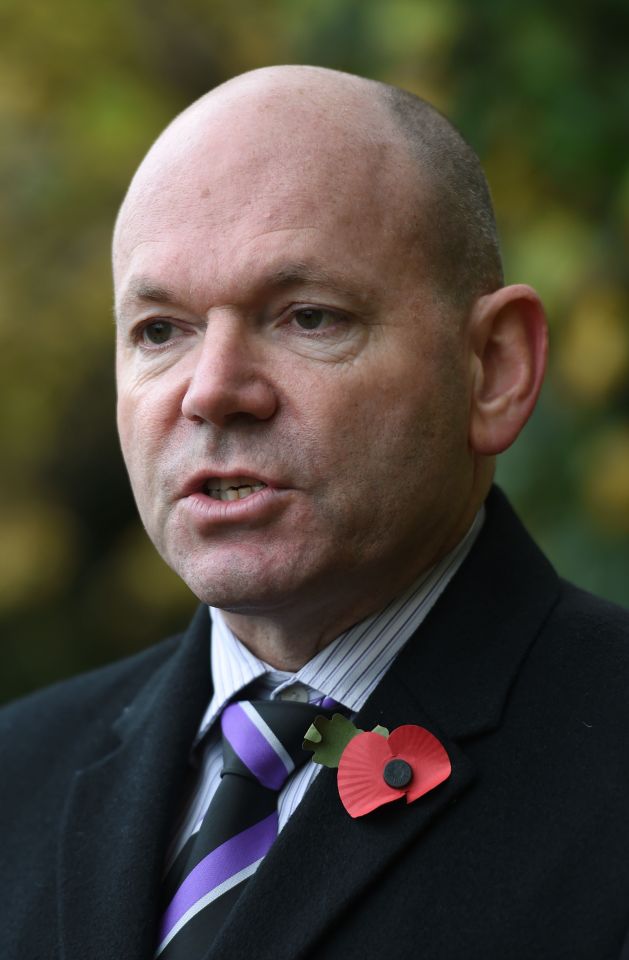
[(326, 125), (294, 264)]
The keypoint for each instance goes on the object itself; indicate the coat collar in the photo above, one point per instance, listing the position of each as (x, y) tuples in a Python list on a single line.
[(121, 809), (462, 662)]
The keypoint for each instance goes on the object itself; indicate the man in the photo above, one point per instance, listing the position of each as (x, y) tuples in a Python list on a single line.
[(317, 365)]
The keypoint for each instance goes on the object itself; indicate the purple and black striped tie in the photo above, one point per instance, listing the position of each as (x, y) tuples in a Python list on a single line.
[(262, 745)]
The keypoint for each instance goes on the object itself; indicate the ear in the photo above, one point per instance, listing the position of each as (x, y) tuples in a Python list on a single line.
[(508, 348)]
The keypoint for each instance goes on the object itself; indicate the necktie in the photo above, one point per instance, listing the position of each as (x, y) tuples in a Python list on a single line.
[(262, 746)]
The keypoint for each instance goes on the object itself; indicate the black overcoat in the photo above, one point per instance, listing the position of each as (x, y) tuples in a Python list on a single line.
[(523, 854)]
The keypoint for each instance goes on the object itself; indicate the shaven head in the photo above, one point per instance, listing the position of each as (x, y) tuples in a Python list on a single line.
[(456, 217), (447, 210), (315, 368)]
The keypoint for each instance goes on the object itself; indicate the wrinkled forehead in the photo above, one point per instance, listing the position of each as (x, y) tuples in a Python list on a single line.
[(273, 158)]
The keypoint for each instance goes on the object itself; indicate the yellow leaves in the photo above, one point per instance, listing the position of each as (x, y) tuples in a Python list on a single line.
[(516, 186), (592, 357), (553, 253), (415, 37), (38, 552), (417, 28), (114, 118), (606, 481), (140, 573)]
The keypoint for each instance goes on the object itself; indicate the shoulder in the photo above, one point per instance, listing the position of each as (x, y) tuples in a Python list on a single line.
[(577, 605), (590, 624), (581, 657), (521, 579)]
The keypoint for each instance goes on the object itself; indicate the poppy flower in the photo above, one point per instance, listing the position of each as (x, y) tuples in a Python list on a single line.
[(374, 770)]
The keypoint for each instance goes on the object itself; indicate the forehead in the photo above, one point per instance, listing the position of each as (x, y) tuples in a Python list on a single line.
[(266, 181)]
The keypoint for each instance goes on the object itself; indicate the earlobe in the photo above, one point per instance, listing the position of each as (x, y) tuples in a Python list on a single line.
[(508, 348)]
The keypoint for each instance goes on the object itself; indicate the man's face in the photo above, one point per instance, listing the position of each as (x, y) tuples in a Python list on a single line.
[(276, 335)]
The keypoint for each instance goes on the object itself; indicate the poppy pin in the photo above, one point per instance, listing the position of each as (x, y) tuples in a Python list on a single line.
[(378, 767)]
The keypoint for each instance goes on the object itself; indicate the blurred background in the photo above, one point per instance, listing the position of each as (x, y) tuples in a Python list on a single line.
[(542, 92)]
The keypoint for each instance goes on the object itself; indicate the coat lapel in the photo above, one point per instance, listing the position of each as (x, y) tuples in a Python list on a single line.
[(122, 807), (454, 678)]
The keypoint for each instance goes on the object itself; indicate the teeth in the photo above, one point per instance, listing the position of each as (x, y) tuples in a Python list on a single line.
[(224, 483), (232, 488)]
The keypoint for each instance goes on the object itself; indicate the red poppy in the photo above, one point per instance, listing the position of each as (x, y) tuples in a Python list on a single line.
[(375, 770)]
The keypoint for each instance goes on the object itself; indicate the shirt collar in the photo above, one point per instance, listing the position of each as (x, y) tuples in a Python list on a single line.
[(351, 666)]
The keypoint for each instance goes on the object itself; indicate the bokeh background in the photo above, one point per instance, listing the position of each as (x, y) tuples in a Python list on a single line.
[(541, 89)]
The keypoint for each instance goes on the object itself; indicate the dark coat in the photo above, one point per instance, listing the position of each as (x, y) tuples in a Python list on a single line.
[(523, 854)]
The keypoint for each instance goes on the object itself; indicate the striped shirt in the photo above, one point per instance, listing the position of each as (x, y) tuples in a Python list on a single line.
[(347, 670)]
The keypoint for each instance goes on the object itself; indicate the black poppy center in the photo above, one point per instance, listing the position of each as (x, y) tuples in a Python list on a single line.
[(397, 774)]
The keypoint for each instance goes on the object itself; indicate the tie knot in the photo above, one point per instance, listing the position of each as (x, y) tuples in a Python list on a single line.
[(262, 739)]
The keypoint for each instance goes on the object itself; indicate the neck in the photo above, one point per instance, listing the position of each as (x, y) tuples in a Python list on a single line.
[(275, 642)]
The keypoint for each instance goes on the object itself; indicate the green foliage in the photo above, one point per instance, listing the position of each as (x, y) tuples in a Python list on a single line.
[(541, 90)]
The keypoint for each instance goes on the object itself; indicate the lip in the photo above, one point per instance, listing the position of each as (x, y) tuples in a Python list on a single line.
[(257, 508), (196, 483)]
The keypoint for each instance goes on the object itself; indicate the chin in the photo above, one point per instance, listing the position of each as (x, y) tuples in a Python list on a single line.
[(238, 583)]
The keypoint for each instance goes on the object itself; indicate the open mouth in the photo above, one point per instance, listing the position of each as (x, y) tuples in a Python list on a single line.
[(232, 488)]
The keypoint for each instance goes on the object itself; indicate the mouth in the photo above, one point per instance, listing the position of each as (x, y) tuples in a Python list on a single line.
[(232, 488)]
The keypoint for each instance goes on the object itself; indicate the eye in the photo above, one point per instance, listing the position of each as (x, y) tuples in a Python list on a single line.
[(314, 318), (158, 332)]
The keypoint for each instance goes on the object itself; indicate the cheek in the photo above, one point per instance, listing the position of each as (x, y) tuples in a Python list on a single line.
[(143, 427), (370, 447), (126, 426), (406, 436), (149, 398)]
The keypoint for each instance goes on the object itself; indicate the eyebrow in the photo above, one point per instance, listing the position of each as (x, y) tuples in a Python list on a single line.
[(143, 288), (294, 273)]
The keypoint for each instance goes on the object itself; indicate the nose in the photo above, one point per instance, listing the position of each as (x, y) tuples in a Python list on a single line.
[(229, 380)]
